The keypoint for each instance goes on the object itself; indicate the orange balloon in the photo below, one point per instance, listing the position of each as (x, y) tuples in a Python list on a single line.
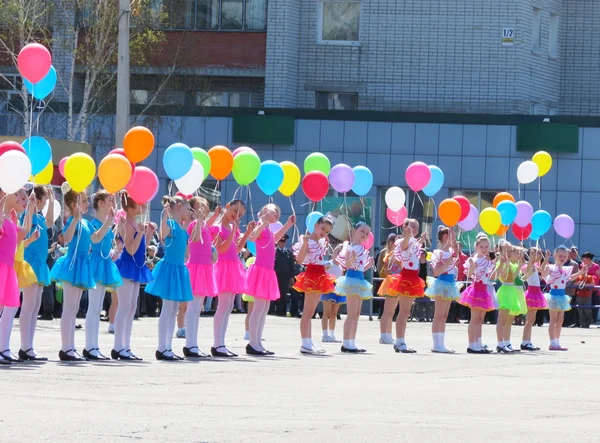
[(502, 196), (502, 230), (138, 144), (114, 172), (221, 161), (449, 212)]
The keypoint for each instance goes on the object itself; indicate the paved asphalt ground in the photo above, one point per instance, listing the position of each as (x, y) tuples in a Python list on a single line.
[(378, 397)]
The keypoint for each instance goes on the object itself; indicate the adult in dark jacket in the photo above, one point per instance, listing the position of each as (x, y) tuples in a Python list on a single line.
[(284, 268)]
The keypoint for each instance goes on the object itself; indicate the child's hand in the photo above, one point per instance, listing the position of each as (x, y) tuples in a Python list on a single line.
[(111, 214), (166, 211), (292, 220), (151, 229), (76, 214), (370, 262), (306, 237), (547, 256), (251, 225), (36, 235)]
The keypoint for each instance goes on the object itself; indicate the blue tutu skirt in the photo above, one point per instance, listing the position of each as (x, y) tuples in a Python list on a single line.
[(443, 287), (171, 282), (131, 271), (77, 272), (105, 271), (39, 266), (354, 283), (558, 300), (333, 298)]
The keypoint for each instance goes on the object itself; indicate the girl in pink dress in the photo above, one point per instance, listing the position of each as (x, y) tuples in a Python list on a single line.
[(534, 297), (229, 271), (261, 278)]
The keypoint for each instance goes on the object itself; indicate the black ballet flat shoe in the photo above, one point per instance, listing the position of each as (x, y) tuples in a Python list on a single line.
[(4, 362), (161, 356), (503, 350), (119, 355), (89, 356), (529, 347), (474, 351), (133, 356), (23, 355), (350, 350), (7, 355), (64, 356), (216, 353), (269, 352), (251, 351), (194, 352), (177, 357)]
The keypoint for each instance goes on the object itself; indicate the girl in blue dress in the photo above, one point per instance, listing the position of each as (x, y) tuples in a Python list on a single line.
[(132, 266), (73, 271), (171, 276), (105, 272)]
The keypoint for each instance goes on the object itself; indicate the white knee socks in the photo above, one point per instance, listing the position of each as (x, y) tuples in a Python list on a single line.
[(221, 318), (166, 326), (92, 318), (130, 316), (32, 300), (128, 294), (256, 322), (71, 300), (192, 320), (6, 323)]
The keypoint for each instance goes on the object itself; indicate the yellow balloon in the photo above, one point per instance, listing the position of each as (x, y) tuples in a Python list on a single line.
[(544, 162), (44, 177), (429, 256), (80, 171), (490, 220), (250, 261), (291, 178)]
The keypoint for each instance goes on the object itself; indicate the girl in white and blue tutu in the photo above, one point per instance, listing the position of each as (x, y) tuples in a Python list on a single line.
[(171, 276), (443, 287), (355, 258), (331, 303)]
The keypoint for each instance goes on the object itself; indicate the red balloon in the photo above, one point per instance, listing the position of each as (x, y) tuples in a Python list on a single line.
[(184, 196), (522, 233), (465, 206), (11, 146), (397, 217), (315, 185)]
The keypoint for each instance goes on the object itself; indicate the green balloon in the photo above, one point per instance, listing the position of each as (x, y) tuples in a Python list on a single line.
[(202, 156), (317, 162), (246, 167)]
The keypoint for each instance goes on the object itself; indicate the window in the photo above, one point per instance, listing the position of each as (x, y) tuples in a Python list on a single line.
[(536, 30), (224, 99), (338, 22), (553, 36), (139, 97), (230, 15), (163, 98), (336, 100), (207, 14)]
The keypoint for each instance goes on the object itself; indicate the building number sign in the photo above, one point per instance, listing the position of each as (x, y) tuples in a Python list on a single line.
[(508, 37)]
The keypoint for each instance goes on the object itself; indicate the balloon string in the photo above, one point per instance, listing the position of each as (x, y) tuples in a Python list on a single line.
[(412, 207), (250, 201), (79, 229), (296, 231), (348, 221), (540, 192)]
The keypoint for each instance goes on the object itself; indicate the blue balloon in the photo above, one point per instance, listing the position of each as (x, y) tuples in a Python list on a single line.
[(39, 152), (363, 180), (534, 237), (251, 246), (311, 219), (44, 87), (508, 212), (435, 182), (541, 223), (177, 160), (270, 177)]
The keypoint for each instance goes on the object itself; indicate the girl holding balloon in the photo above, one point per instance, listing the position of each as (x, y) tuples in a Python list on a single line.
[(534, 297)]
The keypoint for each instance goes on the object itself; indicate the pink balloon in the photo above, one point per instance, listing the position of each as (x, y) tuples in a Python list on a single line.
[(143, 186), (417, 176), (61, 166), (524, 213), (275, 227), (471, 221), (369, 241), (34, 62), (564, 225), (242, 149), (397, 217)]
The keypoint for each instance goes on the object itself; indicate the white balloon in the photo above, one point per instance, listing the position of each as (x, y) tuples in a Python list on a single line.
[(56, 209), (527, 172), (395, 198), (15, 170), (190, 182)]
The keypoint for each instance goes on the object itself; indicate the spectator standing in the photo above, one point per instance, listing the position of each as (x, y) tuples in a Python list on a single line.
[(284, 268)]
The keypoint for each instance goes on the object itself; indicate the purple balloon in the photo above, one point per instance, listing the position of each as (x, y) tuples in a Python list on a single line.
[(471, 221), (341, 178), (524, 214), (275, 227), (564, 225)]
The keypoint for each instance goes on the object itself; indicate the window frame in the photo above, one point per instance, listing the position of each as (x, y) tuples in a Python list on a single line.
[(330, 98), (219, 27), (536, 38), (320, 17), (553, 35)]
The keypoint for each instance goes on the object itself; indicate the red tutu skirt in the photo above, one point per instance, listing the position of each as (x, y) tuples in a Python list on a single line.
[(203, 281), (315, 279), (535, 299), (262, 283), (478, 297), (406, 284)]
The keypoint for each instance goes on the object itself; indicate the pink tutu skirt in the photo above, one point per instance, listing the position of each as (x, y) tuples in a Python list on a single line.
[(535, 298), (230, 276), (262, 283), (202, 278), (9, 294), (478, 297)]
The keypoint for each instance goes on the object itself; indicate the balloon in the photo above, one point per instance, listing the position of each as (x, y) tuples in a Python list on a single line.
[(341, 178), (80, 171), (177, 160), (39, 152), (114, 172), (527, 172), (61, 166), (275, 227), (521, 233), (564, 225), (363, 180), (122, 153), (251, 246), (221, 161), (417, 176), (56, 209), (450, 212), (397, 217), (543, 161), (15, 169), (270, 177), (138, 144), (246, 167), (143, 185), (541, 222), (11, 146), (185, 196), (369, 241), (524, 213), (190, 182), (291, 178), (44, 87), (311, 219), (508, 211), (34, 62), (502, 196), (202, 157), (317, 162), (395, 198), (44, 177), (315, 185), (490, 220), (502, 230), (471, 221), (465, 206), (242, 149), (435, 182), (534, 237)]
